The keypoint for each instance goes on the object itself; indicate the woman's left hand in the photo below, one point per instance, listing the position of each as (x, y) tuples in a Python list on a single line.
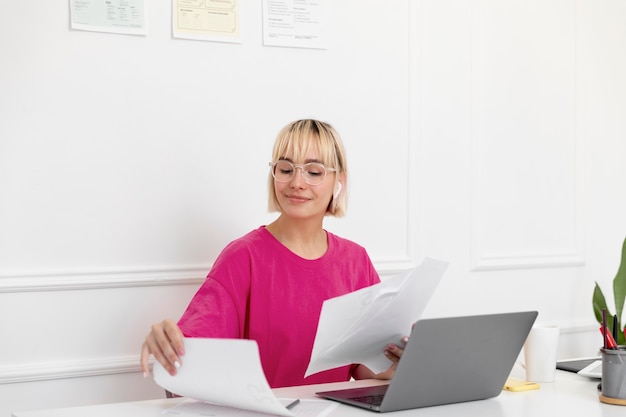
[(393, 352)]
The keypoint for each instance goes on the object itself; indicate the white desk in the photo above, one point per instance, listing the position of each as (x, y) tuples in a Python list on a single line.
[(570, 394)]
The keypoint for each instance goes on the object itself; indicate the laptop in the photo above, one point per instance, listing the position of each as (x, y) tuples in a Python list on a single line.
[(448, 360)]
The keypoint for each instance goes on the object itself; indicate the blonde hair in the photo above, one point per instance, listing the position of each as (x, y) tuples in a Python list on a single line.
[(297, 139)]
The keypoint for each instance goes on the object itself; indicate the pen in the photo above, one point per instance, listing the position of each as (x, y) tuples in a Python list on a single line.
[(293, 404), (603, 329), (614, 328)]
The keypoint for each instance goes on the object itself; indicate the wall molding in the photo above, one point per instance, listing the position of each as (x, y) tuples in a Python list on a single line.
[(104, 278), (490, 262), (65, 280), (51, 370), (62, 369), (484, 254)]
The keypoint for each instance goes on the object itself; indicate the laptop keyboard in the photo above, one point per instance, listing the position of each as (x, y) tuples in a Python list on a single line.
[(369, 399)]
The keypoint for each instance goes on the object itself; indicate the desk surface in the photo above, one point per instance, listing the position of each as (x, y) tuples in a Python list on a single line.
[(569, 394)]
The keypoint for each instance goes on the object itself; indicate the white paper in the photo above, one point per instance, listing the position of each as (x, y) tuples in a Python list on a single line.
[(305, 408), (356, 327), (225, 372), (295, 23), (113, 16), (206, 20)]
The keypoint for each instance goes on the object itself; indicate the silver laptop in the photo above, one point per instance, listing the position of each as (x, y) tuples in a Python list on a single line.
[(448, 360)]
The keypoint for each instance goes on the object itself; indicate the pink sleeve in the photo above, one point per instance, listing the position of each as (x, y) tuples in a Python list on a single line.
[(211, 313), (219, 307)]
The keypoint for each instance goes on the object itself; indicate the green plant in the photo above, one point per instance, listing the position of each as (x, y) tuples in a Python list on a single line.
[(619, 294)]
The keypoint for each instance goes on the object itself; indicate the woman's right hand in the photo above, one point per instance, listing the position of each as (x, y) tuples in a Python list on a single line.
[(165, 343)]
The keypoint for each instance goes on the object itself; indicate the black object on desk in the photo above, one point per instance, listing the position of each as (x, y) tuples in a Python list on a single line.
[(575, 365)]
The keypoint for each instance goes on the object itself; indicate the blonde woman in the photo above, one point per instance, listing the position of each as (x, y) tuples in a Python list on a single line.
[(269, 285)]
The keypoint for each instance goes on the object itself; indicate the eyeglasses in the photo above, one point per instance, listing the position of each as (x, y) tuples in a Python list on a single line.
[(313, 173)]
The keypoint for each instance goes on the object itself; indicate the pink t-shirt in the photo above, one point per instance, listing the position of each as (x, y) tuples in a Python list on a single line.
[(258, 289)]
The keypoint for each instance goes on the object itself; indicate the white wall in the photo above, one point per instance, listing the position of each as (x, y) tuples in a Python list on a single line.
[(487, 133)]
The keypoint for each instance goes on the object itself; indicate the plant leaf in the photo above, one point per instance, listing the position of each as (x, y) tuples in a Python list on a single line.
[(619, 292), (619, 284), (599, 303)]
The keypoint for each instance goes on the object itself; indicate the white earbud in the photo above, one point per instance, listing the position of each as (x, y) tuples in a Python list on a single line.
[(337, 190)]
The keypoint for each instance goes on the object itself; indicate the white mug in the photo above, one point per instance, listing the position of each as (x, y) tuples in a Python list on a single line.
[(540, 352)]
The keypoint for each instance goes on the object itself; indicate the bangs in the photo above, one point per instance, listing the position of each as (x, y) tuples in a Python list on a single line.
[(297, 141)]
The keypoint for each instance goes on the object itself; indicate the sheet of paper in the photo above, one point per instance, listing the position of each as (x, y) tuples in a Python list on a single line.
[(225, 372), (206, 20), (295, 23), (305, 408), (356, 327), (113, 16)]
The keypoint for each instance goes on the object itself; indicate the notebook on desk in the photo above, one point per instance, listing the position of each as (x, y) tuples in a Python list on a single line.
[(448, 360)]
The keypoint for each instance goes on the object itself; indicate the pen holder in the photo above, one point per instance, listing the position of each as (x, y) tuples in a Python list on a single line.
[(614, 375)]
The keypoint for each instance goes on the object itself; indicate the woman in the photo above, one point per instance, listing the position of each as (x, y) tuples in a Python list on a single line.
[(269, 285)]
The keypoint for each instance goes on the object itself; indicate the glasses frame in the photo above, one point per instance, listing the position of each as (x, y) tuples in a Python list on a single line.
[(272, 166)]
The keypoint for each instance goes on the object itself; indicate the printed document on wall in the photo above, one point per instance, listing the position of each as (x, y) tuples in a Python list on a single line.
[(295, 23), (356, 327), (113, 16), (206, 20)]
